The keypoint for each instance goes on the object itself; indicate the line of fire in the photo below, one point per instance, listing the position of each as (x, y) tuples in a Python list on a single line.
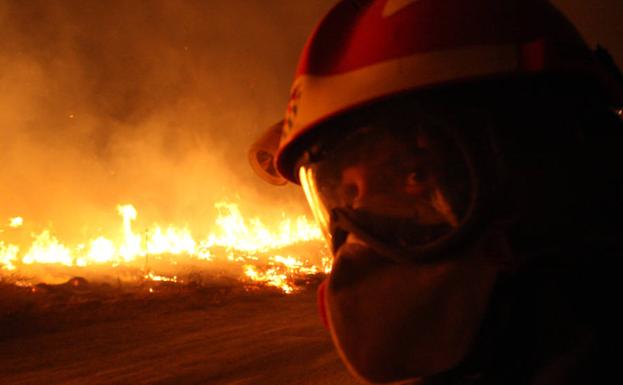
[(284, 255)]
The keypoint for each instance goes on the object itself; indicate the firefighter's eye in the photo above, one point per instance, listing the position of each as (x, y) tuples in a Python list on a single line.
[(349, 193), (417, 175), (415, 181), (412, 179)]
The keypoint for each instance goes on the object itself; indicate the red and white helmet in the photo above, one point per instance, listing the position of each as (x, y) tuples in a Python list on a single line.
[(367, 50)]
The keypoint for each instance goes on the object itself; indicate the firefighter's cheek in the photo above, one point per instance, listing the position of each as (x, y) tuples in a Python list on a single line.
[(392, 322)]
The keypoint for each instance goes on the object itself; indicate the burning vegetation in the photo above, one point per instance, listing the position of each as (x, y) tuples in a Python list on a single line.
[(154, 105), (127, 206), (128, 211), (282, 255)]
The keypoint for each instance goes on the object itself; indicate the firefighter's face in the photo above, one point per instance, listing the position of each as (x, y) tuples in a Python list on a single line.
[(392, 321)]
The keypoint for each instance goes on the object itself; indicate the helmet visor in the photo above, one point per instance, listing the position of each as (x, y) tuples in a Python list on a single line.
[(407, 187)]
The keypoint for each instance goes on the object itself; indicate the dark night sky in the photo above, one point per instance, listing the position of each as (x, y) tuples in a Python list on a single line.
[(155, 102), (599, 21)]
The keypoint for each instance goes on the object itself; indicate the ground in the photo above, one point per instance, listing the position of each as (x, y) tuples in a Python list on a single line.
[(171, 336)]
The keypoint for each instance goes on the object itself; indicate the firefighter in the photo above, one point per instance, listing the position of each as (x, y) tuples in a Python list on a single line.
[(462, 159)]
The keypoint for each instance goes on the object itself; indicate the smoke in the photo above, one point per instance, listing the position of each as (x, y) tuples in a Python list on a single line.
[(151, 103)]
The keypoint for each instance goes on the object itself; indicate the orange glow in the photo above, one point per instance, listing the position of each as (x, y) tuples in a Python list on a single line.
[(308, 185)]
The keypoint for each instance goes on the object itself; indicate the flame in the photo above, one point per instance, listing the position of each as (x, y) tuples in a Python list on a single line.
[(102, 250), (271, 277), (247, 243), (8, 255), (159, 278), (235, 234), (132, 244), (16, 222), (173, 241), (47, 249)]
